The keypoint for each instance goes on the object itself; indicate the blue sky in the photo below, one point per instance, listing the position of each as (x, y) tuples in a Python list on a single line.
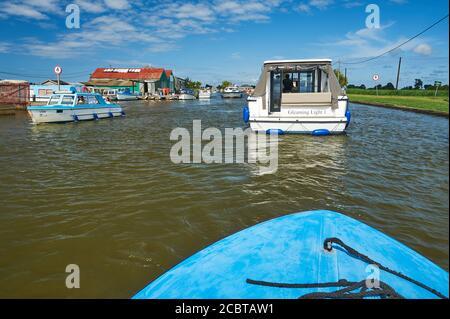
[(220, 40)]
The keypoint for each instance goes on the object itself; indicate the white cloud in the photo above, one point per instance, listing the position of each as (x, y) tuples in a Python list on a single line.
[(307, 7), (321, 4), (235, 55), (352, 4), (4, 47), (117, 4), (21, 10), (423, 49), (303, 7), (92, 7)]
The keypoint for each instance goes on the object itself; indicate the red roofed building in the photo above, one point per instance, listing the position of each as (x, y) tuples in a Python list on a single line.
[(143, 80)]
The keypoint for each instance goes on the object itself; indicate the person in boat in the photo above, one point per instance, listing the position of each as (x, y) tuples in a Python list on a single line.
[(287, 84), (80, 100)]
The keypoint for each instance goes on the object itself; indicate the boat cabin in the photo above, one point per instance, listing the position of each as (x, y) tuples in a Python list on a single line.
[(73, 99)]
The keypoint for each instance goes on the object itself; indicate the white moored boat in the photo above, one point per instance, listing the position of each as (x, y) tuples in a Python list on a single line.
[(231, 92), (73, 107), (204, 94), (186, 94), (298, 96)]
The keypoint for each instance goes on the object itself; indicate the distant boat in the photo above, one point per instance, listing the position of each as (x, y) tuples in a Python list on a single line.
[(126, 95), (231, 92), (110, 95), (204, 94), (186, 94), (72, 107)]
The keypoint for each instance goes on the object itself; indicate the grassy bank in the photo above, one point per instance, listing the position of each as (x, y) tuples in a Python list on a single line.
[(426, 103)]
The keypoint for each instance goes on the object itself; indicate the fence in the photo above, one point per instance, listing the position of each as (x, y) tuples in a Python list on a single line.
[(14, 93)]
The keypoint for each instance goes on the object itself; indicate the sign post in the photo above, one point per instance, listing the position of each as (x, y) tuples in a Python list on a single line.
[(437, 84), (375, 78), (58, 71)]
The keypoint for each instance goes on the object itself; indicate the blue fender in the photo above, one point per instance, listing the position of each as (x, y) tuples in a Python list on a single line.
[(275, 131), (111, 114), (122, 113), (75, 118), (348, 115), (95, 116), (321, 132), (246, 114)]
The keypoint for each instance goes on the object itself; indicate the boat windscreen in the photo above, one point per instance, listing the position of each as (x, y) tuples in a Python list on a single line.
[(67, 100), (54, 99)]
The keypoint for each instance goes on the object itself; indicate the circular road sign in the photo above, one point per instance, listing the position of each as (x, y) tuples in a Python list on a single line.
[(58, 70)]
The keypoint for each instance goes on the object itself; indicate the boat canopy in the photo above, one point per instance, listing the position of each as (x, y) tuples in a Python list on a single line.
[(300, 65)]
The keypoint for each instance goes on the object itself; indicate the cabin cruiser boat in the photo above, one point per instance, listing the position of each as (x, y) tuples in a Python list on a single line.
[(231, 92), (126, 95), (204, 94), (110, 95), (298, 96), (73, 106), (186, 94)]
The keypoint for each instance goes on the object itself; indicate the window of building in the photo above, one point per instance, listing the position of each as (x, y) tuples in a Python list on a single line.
[(45, 92)]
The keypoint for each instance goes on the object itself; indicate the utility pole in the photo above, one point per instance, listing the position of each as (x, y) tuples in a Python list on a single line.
[(345, 75), (398, 72), (339, 71)]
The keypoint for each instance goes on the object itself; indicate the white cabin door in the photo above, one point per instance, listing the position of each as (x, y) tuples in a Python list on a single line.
[(275, 91)]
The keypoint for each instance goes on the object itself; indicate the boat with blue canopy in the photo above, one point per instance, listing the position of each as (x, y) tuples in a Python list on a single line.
[(74, 106)]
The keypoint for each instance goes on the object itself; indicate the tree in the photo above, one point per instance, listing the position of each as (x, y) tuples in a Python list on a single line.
[(224, 85), (418, 84), (193, 85), (389, 86), (341, 77)]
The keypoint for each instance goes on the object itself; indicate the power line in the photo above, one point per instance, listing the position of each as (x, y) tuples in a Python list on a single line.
[(71, 74), (398, 46)]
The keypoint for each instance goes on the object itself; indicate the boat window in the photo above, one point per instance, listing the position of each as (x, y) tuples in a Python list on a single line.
[(67, 100), (290, 82), (81, 100), (54, 99), (92, 100), (306, 82), (298, 82), (100, 99), (275, 92)]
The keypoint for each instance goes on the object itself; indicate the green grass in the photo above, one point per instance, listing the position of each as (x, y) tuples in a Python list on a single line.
[(398, 92), (439, 103)]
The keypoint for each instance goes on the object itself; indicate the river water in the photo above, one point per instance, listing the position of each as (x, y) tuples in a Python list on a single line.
[(105, 195)]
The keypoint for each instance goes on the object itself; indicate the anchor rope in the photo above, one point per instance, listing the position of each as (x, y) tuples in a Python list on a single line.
[(383, 291)]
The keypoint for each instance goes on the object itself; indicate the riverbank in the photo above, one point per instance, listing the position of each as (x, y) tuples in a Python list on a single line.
[(420, 104)]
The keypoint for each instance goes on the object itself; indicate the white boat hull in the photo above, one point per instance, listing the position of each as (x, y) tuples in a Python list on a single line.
[(204, 95), (73, 115), (333, 125), (186, 97), (127, 97), (231, 95)]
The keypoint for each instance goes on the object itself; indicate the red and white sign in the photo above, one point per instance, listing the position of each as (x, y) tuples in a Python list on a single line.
[(375, 77), (57, 70)]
